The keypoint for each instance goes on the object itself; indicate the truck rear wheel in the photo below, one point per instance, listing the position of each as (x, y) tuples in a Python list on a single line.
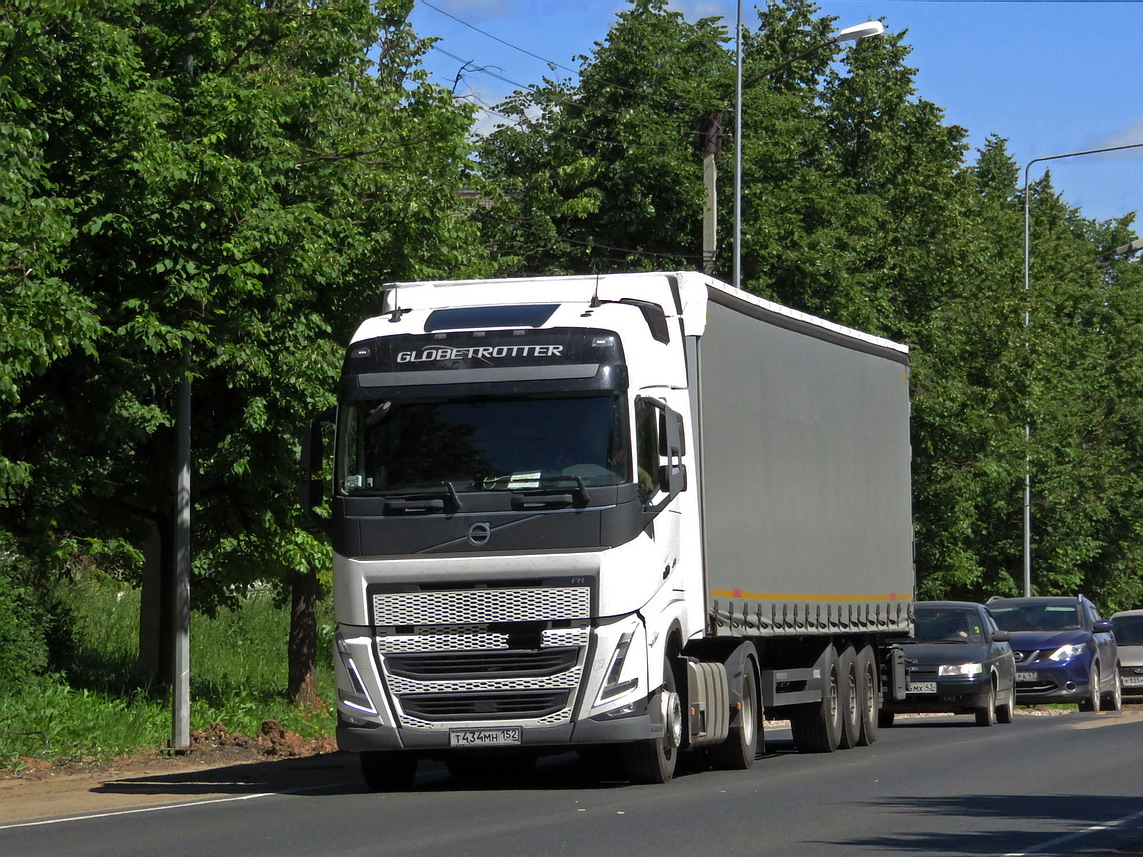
[(738, 751), (654, 760), (850, 699), (870, 695), (388, 770), (816, 727)]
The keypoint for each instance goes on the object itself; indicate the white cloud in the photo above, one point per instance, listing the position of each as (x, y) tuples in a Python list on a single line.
[(1126, 136)]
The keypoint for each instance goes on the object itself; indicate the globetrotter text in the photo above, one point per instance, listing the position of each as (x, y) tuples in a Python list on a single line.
[(482, 352)]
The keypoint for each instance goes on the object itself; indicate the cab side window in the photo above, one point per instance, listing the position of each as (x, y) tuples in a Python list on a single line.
[(647, 443)]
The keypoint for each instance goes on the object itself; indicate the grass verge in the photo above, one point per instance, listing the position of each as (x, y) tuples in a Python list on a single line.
[(98, 708)]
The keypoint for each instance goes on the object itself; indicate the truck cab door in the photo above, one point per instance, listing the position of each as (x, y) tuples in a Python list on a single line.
[(660, 445)]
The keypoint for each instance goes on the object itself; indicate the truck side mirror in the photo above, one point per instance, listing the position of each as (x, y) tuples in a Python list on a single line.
[(311, 490)]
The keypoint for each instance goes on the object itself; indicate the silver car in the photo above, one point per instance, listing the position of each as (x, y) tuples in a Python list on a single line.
[(1128, 628)]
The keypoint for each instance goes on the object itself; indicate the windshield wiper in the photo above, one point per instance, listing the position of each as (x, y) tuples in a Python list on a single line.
[(426, 502), (533, 498)]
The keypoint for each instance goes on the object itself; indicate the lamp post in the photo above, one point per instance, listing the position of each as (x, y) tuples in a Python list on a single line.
[(850, 34), (1127, 248)]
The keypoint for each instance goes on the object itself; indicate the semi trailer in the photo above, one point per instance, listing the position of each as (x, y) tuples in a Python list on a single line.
[(637, 514)]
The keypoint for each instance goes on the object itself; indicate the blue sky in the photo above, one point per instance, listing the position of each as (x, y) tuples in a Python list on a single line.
[(1049, 76)]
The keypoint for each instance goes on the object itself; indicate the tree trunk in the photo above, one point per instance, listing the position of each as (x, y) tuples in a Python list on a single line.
[(305, 590), (156, 607)]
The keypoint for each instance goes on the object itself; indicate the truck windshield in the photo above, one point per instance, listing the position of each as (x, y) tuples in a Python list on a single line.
[(405, 446)]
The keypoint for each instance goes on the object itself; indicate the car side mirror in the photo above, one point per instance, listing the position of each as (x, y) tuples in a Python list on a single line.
[(1001, 637), (1102, 626)]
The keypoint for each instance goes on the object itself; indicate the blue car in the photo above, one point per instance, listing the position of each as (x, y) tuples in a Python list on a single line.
[(1064, 651)]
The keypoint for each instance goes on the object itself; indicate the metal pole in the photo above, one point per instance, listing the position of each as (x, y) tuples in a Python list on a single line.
[(738, 150), (180, 720), (1027, 322), (855, 33)]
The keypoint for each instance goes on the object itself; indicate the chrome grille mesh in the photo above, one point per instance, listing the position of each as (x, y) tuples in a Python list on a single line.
[(460, 622), (523, 604)]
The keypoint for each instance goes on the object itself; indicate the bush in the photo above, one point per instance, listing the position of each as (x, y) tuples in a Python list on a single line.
[(24, 624)]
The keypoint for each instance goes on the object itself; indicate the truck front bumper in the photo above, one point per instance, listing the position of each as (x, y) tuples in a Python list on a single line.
[(646, 721)]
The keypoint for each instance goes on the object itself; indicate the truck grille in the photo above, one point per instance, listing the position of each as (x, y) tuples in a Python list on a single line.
[(496, 664), (490, 706), (512, 653), (475, 606)]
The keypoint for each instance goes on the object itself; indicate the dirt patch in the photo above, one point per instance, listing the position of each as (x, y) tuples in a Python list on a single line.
[(217, 763)]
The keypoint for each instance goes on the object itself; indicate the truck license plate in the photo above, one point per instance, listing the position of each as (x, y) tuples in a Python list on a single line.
[(484, 737), (922, 687), (1025, 676)]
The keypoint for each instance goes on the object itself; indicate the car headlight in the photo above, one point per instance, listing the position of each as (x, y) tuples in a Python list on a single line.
[(960, 669), (1066, 653)]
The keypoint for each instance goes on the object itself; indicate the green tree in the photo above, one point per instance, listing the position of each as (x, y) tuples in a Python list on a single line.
[(604, 173), (230, 181)]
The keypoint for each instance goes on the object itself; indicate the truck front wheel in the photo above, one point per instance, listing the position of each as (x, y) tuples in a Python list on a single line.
[(654, 760)]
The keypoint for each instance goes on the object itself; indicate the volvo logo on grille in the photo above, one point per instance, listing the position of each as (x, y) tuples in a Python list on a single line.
[(479, 534)]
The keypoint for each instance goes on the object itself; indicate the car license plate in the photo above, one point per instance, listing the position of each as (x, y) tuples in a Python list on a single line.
[(484, 737), (1025, 676), (1132, 681), (922, 687)]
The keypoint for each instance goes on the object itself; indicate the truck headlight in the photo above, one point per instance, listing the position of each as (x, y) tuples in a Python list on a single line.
[(611, 685), (960, 669), (355, 696)]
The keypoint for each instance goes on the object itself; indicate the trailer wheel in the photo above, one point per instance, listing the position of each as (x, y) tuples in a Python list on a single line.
[(868, 685), (816, 727), (850, 699), (388, 770), (653, 761), (739, 750)]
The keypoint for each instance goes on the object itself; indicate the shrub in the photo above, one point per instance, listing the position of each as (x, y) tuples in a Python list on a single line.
[(34, 635)]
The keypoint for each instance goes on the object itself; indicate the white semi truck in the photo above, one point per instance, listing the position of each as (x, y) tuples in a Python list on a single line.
[(629, 511)]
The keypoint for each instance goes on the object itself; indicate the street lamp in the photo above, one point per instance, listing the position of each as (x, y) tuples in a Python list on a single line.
[(850, 34), (1127, 249)]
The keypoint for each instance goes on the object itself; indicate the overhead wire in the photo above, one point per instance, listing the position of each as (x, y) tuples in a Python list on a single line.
[(485, 69)]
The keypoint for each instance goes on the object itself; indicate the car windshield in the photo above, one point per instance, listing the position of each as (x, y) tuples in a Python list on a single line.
[(953, 625), (481, 444), (1036, 617), (1128, 630)]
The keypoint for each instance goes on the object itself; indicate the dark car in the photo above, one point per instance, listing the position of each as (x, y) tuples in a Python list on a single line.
[(958, 662), (1064, 651), (1128, 628)]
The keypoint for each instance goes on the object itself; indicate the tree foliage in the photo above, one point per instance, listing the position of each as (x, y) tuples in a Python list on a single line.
[(860, 204), (212, 188), (217, 189)]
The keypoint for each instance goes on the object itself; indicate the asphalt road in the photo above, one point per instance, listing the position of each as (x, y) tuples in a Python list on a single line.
[(1071, 784)]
